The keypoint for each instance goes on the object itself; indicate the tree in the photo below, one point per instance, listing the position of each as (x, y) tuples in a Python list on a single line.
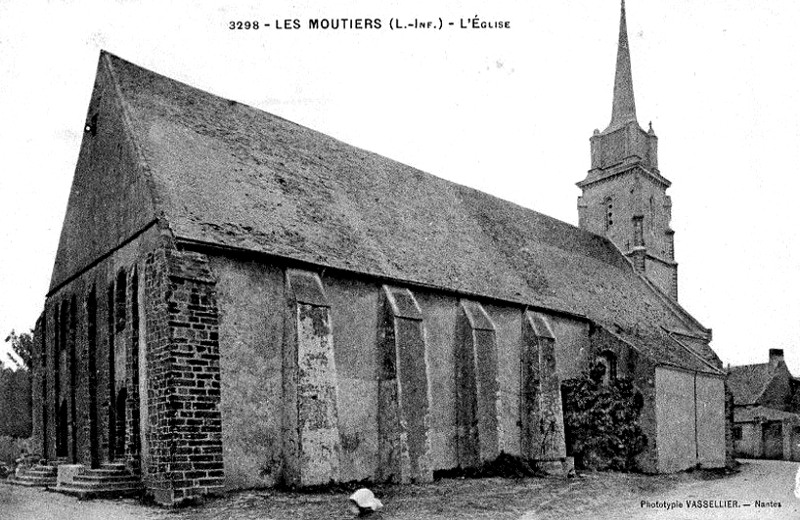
[(602, 420), (15, 387), (22, 346)]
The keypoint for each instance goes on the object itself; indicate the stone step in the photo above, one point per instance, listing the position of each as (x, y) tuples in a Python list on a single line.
[(54, 462), (84, 493), (45, 469), (114, 466), (94, 479), (106, 472), (122, 484), (28, 481), (39, 473)]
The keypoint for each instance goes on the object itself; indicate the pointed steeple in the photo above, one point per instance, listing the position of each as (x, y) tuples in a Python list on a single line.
[(624, 109), (624, 194)]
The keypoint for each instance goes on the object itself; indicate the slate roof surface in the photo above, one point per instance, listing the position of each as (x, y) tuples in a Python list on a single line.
[(232, 175), (748, 382)]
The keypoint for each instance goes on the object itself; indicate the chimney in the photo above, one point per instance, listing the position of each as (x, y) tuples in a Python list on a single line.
[(775, 357)]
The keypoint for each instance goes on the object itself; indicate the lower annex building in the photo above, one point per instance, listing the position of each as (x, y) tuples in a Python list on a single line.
[(766, 409)]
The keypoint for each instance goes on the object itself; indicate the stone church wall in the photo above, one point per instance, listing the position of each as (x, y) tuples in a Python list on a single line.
[(483, 339), (251, 305), (86, 342), (574, 348)]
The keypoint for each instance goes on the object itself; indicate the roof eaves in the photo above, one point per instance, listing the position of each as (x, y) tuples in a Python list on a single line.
[(202, 246), (695, 354)]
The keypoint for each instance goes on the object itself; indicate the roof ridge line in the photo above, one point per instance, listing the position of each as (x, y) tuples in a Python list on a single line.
[(131, 136), (679, 312), (682, 314)]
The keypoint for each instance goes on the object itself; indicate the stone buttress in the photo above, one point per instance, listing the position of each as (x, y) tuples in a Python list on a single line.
[(183, 434), (541, 418), (403, 391), (310, 432), (477, 389)]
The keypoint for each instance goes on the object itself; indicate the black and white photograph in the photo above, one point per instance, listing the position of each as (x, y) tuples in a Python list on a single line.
[(399, 260)]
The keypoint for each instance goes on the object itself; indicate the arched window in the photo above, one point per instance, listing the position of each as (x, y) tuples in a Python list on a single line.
[(652, 219), (608, 206), (609, 360), (63, 326), (120, 303)]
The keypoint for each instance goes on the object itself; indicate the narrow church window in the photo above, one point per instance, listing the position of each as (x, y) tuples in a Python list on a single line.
[(638, 234), (63, 325), (609, 360), (57, 374), (111, 376), (609, 207), (73, 377), (56, 329), (91, 336), (652, 220), (120, 303), (135, 324), (62, 436)]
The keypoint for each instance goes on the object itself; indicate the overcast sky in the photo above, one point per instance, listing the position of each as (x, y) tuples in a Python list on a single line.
[(506, 111)]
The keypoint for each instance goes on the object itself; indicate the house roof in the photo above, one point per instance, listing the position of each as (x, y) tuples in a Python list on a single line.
[(227, 174), (748, 382), (763, 412)]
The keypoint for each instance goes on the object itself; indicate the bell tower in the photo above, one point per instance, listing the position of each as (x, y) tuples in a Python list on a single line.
[(624, 194)]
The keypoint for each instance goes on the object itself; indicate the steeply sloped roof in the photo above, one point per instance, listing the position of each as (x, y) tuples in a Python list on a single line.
[(748, 382), (227, 174)]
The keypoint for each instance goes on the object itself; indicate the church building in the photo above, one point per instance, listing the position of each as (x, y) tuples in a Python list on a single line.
[(239, 301)]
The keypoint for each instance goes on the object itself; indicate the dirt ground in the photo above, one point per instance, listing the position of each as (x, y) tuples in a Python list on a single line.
[(592, 496)]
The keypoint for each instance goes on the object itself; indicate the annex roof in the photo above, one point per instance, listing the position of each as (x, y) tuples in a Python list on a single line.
[(750, 414)]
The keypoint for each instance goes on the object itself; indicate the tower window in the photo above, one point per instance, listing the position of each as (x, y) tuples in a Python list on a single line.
[(608, 204)]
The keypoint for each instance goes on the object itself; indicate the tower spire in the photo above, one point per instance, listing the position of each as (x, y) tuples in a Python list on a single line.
[(624, 109)]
